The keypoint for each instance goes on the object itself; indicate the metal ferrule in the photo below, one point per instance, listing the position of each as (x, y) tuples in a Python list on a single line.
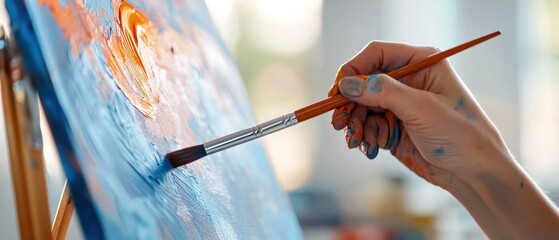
[(250, 134)]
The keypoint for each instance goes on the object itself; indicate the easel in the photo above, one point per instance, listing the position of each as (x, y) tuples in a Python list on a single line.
[(21, 113)]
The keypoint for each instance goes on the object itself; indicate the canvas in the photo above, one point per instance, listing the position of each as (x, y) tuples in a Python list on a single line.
[(122, 84)]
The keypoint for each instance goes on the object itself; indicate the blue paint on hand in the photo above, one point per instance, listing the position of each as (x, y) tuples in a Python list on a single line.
[(459, 104), (438, 152), (373, 153), (396, 131), (471, 117), (375, 84)]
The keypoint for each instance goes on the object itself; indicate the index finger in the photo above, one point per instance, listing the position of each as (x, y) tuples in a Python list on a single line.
[(380, 56)]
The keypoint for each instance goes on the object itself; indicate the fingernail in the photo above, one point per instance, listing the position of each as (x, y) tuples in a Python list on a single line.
[(364, 148), (372, 153), (348, 134), (351, 86), (351, 138)]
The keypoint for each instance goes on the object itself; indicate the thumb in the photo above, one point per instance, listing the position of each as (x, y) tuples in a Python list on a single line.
[(381, 91)]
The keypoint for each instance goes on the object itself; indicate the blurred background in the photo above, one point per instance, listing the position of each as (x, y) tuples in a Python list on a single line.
[(288, 53)]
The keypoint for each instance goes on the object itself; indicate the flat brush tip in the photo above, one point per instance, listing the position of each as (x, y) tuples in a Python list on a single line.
[(186, 155)]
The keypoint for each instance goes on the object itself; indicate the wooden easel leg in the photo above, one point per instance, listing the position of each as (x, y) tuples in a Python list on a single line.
[(24, 145), (63, 214)]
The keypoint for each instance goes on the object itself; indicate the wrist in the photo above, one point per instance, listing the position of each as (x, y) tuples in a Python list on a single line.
[(495, 161)]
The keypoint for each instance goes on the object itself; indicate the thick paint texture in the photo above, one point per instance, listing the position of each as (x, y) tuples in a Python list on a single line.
[(129, 82)]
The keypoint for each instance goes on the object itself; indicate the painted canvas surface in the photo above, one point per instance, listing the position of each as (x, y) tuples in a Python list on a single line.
[(122, 84)]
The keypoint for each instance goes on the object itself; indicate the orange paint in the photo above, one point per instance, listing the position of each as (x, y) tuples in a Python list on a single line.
[(143, 59), (417, 164), (126, 50), (133, 76), (391, 119), (77, 28)]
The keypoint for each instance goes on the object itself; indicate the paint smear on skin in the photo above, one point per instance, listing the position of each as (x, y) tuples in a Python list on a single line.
[(334, 89), (459, 104), (372, 153), (341, 115), (460, 107), (438, 152), (382, 130), (393, 135), (349, 134), (419, 166), (374, 84)]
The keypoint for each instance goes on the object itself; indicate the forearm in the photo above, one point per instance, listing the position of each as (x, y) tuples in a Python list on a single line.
[(505, 202)]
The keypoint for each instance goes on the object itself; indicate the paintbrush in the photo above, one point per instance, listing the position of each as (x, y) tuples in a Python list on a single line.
[(187, 155)]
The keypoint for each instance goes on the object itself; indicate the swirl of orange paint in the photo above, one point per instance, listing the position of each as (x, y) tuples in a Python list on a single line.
[(132, 71)]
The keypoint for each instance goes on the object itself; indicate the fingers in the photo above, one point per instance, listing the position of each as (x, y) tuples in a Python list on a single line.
[(375, 134), (345, 70), (354, 131), (384, 92), (374, 58), (379, 57), (386, 56), (341, 115), (381, 130)]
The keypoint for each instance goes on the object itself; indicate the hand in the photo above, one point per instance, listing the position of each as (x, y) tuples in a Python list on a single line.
[(431, 122), (441, 131)]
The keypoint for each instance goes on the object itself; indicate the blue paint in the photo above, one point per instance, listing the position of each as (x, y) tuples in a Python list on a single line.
[(459, 104), (438, 152), (373, 153), (106, 18), (370, 78), (113, 155), (355, 142), (396, 131), (24, 34), (374, 84)]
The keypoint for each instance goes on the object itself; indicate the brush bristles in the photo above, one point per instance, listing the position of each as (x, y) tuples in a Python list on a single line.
[(186, 155)]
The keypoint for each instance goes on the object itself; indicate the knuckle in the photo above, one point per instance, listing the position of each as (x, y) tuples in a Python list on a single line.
[(372, 44), (344, 69), (432, 50)]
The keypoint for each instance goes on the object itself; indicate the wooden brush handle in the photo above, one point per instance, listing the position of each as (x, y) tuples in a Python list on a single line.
[(328, 104)]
